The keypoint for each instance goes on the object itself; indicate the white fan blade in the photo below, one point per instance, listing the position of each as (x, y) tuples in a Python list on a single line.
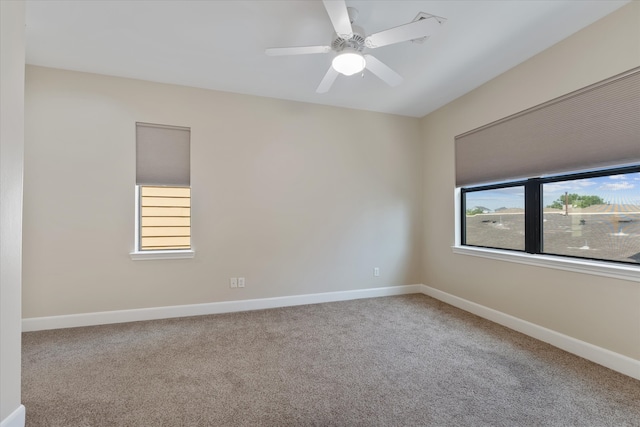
[(301, 50), (337, 10), (383, 72), (403, 33), (327, 81)]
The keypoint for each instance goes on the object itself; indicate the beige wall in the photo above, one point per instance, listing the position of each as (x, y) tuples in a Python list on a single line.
[(296, 198), (12, 54), (601, 311)]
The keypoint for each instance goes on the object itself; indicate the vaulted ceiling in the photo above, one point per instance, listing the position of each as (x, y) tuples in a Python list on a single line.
[(220, 45)]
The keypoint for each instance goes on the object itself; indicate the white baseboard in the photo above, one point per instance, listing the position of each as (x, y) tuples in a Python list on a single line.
[(121, 316), (602, 356), (15, 419), (618, 362)]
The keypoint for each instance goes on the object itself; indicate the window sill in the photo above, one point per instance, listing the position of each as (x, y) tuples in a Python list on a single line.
[(149, 255), (616, 271)]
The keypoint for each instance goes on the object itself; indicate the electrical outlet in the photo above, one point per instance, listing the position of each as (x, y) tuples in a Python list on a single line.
[(376, 272), (233, 282), (241, 282)]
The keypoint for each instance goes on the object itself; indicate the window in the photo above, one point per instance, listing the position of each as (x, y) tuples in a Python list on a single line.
[(596, 217), (571, 217), (163, 192), (494, 217), (165, 218), (593, 215)]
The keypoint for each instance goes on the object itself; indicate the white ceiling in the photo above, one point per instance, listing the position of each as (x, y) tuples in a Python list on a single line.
[(220, 45)]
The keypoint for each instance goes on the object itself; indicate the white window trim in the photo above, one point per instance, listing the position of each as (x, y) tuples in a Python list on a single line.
[(137, 255), (150, 255), (597, 268)]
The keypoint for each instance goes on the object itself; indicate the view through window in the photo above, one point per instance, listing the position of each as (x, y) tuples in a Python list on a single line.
[(593, 215), (495, 218)]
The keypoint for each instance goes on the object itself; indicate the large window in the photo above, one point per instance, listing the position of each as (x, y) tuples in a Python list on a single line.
[(593, 215), (542, 205)]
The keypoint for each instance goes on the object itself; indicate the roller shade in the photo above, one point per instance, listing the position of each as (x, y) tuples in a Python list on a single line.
[(163, 155), (597, 126)]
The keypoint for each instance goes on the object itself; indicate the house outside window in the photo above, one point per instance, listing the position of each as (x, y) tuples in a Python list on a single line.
[(593, 215)]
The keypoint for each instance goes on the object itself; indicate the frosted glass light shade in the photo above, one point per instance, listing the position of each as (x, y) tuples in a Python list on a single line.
[(348, 63)]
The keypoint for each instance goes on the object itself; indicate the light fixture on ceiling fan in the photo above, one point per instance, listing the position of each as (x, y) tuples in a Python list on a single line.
[(349, 42), (349, 62)]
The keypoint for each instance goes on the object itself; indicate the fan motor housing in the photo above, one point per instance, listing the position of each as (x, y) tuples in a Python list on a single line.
[(356, 41)]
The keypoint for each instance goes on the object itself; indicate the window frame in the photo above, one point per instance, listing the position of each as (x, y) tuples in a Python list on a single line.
[(534, 232), (463, 210), (137, 254), (171, 175)]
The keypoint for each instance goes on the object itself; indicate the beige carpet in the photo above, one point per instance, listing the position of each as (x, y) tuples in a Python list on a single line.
[(393, 361)]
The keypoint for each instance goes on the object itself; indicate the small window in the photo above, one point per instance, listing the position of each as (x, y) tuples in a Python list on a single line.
[(165, 218), (163, 188)]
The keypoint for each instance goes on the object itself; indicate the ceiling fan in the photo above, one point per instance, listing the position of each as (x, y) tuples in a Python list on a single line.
[(349, 42)]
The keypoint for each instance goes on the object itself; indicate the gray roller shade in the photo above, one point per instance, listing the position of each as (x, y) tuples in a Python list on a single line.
[(594, 127), (163, 155)]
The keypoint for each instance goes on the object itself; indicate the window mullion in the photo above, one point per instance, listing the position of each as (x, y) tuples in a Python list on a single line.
[(463, 217), (532, 216)]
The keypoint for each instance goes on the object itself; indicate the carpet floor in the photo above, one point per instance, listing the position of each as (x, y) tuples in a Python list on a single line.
[(394, 361)]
